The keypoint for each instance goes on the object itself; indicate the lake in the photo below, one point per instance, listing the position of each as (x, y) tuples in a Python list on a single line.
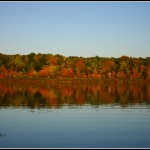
[(74, 115)]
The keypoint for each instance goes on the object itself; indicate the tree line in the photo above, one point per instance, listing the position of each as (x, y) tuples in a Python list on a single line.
[(59, 66)]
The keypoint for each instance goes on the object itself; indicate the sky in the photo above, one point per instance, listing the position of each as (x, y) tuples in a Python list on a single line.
[(87, 29)]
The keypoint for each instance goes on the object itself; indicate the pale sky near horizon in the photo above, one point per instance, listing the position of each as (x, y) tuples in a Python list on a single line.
[(105, 29)]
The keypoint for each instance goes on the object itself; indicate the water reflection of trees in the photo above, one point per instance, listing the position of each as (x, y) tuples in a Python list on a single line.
[(57, 95)]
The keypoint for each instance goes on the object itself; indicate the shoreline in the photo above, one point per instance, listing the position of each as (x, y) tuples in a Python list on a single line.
[(69, 80)]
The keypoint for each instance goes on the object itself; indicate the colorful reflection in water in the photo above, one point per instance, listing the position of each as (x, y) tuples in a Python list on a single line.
[(58, 95), (92, 115)]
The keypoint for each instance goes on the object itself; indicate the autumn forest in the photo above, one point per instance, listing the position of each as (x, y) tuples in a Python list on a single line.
[(59, 67)]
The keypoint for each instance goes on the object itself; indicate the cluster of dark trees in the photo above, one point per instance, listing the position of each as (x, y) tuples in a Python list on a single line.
[(59, 66)]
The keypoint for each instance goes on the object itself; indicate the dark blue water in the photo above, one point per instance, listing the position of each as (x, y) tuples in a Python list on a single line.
[(85, 125)]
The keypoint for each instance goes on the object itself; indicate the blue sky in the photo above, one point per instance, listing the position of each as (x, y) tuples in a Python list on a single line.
[(105, 29)]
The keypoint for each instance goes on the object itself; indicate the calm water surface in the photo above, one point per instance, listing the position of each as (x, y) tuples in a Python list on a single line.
[(74, 116)]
